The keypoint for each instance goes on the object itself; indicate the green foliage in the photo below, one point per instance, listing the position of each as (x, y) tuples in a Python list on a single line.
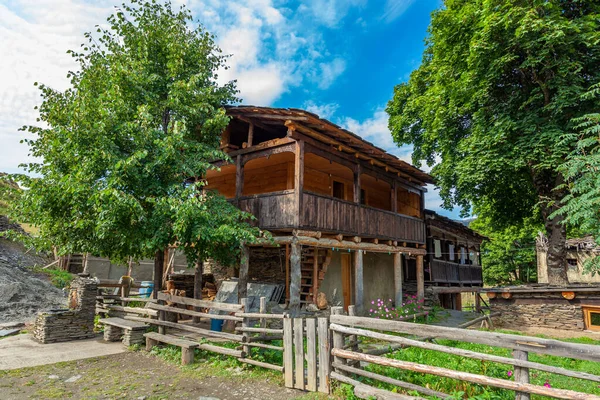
[(125, 144), (580, 206), (385, 309), (499, 86), (509, 254), (9, 191), (58, 277)]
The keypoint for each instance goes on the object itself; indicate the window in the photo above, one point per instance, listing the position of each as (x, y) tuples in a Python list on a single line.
[(338, 190), (591, 316), (451, 252), (437, 246), (572, 262), (474, 258), (463, 255)]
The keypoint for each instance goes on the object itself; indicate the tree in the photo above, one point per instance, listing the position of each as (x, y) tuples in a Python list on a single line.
[(581, 207), (509, 253), (124, 148), (498, 87)]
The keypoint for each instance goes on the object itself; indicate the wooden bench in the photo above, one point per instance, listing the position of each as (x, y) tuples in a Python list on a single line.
[(131, 332), (187, 346)]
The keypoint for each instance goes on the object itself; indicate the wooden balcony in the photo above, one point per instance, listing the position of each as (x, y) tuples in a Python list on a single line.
[(279, 210), (451, 272)]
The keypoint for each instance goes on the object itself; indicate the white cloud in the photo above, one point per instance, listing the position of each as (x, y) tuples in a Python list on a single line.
[(322, 110), (395, 8), (331, 12), (330, 72)]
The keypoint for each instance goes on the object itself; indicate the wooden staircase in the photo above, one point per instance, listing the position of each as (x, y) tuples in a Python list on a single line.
[(314, 266)]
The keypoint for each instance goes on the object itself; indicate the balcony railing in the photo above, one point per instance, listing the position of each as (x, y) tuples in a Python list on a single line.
[(279, 211), (451, 272)]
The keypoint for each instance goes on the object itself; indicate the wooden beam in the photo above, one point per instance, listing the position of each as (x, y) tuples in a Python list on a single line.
[(275, 117), (357, 174), (269, 151), (342, 147), (295, 275), (344, 244)]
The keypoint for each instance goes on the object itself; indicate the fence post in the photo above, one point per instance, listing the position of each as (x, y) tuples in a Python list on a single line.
[(299, 353), (245, 324), (352, 338), (288, 352), (263, 310), (311, 354), (521, 373), (324, 355), (338, 338)]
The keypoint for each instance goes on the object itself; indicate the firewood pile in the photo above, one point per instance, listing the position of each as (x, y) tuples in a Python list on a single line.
[(209, 291)]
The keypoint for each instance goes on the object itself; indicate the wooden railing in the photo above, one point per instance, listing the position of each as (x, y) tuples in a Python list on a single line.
[(272, 210), (330, 214), (447, 271), (347, 362)]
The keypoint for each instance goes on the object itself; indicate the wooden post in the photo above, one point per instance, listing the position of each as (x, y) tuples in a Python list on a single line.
[(287, 274), (296, 276), (398, 279), (353, 338), (129, 266), (239, 177), (394, 197), (263, 310), (338, 337), (477, 302), (420, 278), (315, 278), (245, 324), (357, 184), (250, 134), (159, 258), (198, 286), (243, 278), (324, 355), (299, 180), (521, 374), (85, 263), (358, 281)]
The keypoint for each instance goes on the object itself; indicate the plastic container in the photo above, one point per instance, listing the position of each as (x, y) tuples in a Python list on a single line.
[(216, 325), (146, 288)]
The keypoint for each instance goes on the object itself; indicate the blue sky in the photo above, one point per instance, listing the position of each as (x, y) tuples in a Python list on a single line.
[(337, 58)]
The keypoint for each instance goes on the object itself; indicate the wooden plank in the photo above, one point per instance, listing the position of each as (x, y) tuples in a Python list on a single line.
[(324, 355), (122, 323), (465, 376), (133, 310), (183, 327), (405, 342), (259, 315), (258, 330), (288, 352), (521, 374), (311, 355), (391, 381), (200, 303), (299, 353), (525, 343), (185, 311), (169, 339)]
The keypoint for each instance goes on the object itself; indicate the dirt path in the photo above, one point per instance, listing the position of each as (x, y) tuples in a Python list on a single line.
[(138, 375)]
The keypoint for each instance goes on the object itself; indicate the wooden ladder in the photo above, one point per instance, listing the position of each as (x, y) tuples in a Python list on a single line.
[(313, 273)]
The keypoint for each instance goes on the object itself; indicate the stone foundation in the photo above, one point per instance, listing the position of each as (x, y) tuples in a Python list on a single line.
[(539, 309), (74, 323)]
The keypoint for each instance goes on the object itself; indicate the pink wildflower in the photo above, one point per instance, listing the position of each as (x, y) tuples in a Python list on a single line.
[(371, 310), (373, 302), (547, 384), (509, 373)]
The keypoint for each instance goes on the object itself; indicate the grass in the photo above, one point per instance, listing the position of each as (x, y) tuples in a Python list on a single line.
[(460, 389), (58, 277)]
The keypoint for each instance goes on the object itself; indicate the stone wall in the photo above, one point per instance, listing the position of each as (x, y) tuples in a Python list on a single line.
[(542, 310), (74, 323)]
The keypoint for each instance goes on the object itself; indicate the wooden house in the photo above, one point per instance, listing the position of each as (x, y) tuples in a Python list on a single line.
[(348, 214)]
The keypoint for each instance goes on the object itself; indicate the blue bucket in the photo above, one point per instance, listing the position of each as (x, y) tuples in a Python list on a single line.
[(216, 325), (146, 288)]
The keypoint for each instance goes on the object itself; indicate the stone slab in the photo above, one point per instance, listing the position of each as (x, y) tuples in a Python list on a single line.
[(22, 351), (123, 323)]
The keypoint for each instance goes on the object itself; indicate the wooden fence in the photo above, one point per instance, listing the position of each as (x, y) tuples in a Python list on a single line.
[(348, 362)]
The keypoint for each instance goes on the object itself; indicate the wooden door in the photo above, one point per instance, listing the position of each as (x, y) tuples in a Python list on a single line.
[(347, 280)]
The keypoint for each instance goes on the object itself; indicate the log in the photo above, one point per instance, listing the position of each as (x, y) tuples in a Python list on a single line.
[(476, 320), (259, 315), (264, 346), (183, 327), (258, 330), (185, 311), (344, 244), (265, 338), (464, 353), (525, 343), (391, 381), (366, 391), (313, 234), (221, 350), (200, 303), (262, 364), (465, 376)]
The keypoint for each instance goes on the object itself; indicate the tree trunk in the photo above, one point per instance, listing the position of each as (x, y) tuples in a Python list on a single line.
[(159, 263), (198, 285)]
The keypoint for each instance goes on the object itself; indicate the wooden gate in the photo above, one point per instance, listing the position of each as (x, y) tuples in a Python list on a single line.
[(306, 354)]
